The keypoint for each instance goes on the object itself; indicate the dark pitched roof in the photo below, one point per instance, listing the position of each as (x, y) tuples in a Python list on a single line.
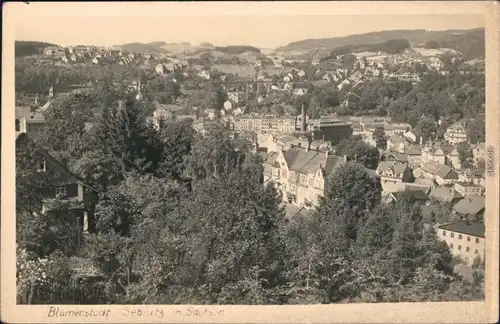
[(472, 228), (470, 206), (417, 194), (300, 160), (446, 194), (396, 166), (446, 172)]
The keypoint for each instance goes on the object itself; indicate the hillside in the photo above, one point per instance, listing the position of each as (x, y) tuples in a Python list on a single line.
[(392, 46), (368, 38), (235, 50), (27, 48), (470, 42), (154, 47)]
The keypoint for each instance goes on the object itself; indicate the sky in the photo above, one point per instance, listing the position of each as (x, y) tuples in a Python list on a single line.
[(264, 25)]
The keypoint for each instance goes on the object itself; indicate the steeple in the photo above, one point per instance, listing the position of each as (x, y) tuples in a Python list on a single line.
[(139, 94), (51, 92), (36, 100)]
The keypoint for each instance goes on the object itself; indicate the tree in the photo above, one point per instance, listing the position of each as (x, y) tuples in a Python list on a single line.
[(176, 140), (125, 136), (215, 153), (357, 150), (352, 194), (428, 129), (379, 138), (66, 120)]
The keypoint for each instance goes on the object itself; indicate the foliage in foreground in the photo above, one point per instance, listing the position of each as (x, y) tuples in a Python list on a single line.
[(223, 238)]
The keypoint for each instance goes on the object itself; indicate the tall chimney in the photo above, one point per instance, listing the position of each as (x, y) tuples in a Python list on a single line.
[(303, 119)]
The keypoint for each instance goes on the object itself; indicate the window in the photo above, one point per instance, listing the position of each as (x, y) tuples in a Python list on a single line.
[(40, 167), (467, 249), (451, 245), (459, 236), (459, 247), (444, 233), (61, 190), (468, 238), (452, 235), (476, 251), (477, 240)]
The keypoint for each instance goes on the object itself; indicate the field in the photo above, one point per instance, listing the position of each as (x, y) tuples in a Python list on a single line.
[(240, 70)]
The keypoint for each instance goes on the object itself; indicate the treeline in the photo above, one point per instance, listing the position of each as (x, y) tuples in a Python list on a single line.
[(27, 48), (185, 219), (238, 49), (470, 44), (392, 46)]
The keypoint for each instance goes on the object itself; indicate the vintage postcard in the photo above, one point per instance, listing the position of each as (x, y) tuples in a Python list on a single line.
[(250, 162)]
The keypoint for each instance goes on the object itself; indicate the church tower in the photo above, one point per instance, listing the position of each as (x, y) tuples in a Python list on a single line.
[(51, 93), (139, 93)]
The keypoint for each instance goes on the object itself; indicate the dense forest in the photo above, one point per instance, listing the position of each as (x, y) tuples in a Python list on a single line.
[(27, 48), (392, 46), (182, 219), (235, 50)]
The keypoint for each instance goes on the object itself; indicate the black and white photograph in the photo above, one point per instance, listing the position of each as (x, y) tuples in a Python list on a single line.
[(248, 160)]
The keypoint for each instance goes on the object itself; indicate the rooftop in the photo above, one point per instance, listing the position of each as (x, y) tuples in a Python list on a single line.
[(472, 228), (470, 206)]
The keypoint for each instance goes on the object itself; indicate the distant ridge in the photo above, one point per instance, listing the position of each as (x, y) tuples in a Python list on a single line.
[(27, 48), (469, 41)]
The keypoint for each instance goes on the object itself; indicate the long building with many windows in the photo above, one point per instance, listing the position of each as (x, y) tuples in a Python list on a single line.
[(267, 124)]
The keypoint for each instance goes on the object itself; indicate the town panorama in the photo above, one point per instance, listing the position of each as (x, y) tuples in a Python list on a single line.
[(347, 171)]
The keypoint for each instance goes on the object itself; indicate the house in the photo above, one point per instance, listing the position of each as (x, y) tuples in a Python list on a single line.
[(455, 134), (228, 105), (395, 128), (204, 74), (299, 91), (65, 59), (33, 124), (437, 152), (300, 174), (357, 128), (343, 84), (418, 195), (393, 172), (474, 175), (470, 207), (211, 113), (73, 58), (233, 96), (397, 143), (95, 60), (445, 195), (159, 68), (453, 158), (161, 113), (395, 156), (465, 239), (468, 189), (414, 155), (238, 111), (479, 153), (301, 73), (65, 185), (442, 174)]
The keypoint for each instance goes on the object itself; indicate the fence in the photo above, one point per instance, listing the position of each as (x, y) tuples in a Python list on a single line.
[(72, 293)]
